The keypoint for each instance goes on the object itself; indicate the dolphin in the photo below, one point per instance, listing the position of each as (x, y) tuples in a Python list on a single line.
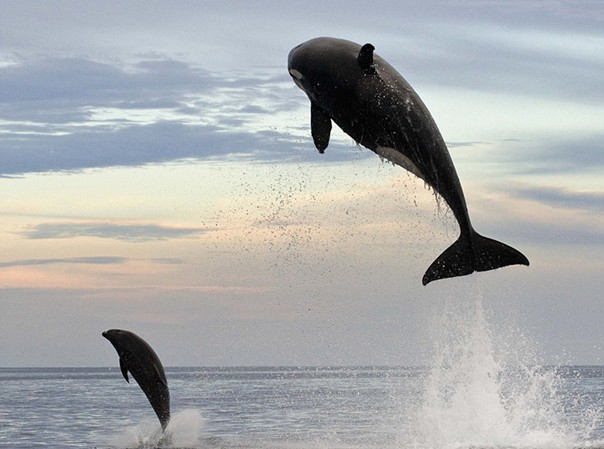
[(372, 103), (141, 360)]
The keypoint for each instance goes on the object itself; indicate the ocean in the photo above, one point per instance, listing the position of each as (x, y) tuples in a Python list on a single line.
[(481, 389), (303, 407)]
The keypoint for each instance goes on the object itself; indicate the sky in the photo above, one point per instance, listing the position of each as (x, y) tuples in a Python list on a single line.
[(157, 174)]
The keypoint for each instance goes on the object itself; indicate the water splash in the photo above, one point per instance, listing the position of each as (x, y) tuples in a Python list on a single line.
[(184, 431), (481, 392), (186, 428)]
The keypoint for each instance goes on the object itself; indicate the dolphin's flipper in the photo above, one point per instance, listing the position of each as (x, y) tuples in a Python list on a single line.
[(320, 126), (124, 369), (476, 254)]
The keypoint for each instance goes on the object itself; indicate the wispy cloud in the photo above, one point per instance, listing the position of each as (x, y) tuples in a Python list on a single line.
[(561, 197), (98, 260), (125, 232), (52, 81), (543, 215), (92, 260), (64, 114), (579, 154), (72, 112), (571, 155)]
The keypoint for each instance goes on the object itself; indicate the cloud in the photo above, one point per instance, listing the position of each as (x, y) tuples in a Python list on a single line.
[(582, 153), (91, 260), (124, 232), (543, 215), (466, 144), (553, 230), (129, 146), (65, 113), (69, 114), (97, 260), (579, 154), (561, 197), (48, 81), (517, 61)]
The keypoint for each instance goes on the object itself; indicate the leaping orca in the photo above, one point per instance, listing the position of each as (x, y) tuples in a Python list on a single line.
[(372, 103)]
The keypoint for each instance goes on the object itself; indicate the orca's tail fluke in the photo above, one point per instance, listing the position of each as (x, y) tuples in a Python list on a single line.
[(472, 253)]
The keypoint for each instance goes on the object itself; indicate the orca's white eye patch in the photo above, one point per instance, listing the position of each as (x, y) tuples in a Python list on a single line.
[(296, 74)]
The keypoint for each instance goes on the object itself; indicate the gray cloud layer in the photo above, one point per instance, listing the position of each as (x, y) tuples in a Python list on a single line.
[(53, 111), (53, 92), (565, 198), (131, 233)]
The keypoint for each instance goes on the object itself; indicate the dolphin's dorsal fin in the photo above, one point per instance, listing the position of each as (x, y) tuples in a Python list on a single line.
[(320, 127), (365, 58), (162, 377), (124, 369)]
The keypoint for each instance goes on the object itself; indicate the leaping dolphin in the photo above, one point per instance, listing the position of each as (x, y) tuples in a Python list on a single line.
[(141, 360), (373, 104)]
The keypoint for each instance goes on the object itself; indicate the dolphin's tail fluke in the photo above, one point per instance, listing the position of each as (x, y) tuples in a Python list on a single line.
[(467, 255)]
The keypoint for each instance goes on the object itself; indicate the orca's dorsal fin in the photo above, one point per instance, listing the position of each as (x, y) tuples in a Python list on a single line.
[(365, 58), (124, 369), (320, 126)]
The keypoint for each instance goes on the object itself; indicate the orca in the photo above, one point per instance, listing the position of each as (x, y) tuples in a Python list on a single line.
[(138, 358), (371, 102)]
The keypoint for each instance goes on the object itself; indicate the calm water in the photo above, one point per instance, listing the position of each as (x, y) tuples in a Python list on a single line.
[(358, 407)]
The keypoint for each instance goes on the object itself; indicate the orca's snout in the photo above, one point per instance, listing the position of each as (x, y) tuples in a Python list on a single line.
[(104, 334)]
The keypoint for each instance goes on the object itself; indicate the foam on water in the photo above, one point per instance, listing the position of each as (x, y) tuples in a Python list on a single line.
[(481, 393)]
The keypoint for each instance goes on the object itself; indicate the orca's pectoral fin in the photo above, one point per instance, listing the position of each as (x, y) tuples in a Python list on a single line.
[(320, 127), (124, 369)]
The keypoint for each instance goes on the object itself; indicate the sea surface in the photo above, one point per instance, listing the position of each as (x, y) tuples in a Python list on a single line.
[(482, 388), (308, 407)]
